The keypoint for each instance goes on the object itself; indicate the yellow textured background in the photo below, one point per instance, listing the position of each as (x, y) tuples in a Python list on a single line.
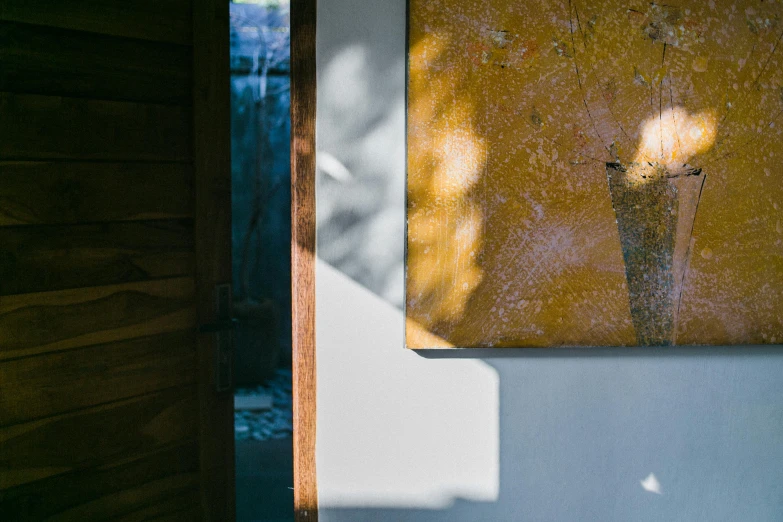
[(512, 239)]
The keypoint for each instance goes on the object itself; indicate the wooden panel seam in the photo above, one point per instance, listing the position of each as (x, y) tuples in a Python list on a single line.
[(45, 497), (56, 257), (122, 370), (152, 20), (44, 127), (105, 433), (93, 66), (68, 192), (109, 313), (182, 506)]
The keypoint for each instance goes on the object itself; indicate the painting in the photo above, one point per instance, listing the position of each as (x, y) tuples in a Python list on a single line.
[(594, 173)]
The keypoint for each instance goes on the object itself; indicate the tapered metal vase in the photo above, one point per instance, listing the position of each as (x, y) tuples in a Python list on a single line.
[(655, 216)]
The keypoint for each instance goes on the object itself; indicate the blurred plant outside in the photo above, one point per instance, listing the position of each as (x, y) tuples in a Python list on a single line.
[(260, 99)]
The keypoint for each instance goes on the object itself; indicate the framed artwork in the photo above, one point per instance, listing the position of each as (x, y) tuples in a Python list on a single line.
[(594, 173)]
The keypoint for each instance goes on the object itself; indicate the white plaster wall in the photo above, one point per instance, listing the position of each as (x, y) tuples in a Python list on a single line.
[(535, 435)]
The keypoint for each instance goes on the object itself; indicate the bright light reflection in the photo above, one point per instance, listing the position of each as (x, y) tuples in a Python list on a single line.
[(671, 139), (651, 484)]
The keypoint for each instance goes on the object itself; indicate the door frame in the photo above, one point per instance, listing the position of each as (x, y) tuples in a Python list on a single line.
[(303, 103), (212, 187)]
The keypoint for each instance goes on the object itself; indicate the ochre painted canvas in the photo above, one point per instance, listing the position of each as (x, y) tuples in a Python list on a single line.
[(594, 173)]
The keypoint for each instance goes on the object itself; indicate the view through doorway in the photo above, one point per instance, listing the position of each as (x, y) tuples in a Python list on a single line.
[(261, 232)]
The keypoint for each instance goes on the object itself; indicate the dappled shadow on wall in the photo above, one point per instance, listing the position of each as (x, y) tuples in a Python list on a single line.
[(361, 162), (594, 175), (563, 434), (538, 434)]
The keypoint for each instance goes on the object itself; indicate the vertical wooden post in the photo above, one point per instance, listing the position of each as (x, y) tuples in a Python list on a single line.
[(303, 99)]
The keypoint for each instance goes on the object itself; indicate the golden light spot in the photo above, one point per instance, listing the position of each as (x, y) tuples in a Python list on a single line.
[(706, 253), (461, 163), (670, 139), (443, 171), (426, 50)]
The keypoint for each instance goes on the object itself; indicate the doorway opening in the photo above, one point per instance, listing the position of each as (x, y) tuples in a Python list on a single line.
[(261, 245)]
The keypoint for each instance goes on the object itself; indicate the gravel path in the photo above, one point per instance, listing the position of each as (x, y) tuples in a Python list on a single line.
[(276, 423)]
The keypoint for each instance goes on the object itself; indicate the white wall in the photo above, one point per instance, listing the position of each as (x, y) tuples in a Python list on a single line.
[(534, 435)]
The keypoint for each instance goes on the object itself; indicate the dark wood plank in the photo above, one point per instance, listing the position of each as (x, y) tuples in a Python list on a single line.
[(303, 102), (108, 491), (45, 258), (95, 436), (44, 193), (53, 127), (51, 321), (156, 20), (212, 170), (179, 508), (45, 60), (117, 371)]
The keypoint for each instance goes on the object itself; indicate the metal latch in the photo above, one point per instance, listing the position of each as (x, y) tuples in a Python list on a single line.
[(223, 330)]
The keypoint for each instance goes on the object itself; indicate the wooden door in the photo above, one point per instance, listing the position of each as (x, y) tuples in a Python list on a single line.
[(114, 234)]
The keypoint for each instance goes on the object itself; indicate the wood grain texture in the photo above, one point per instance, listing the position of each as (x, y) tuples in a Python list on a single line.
[(91, 65), (212, 169), (121, 490), (156, 20), (52, 321), (303, 100), (103, 389), (36, 259), (182, 507), (117, 371), (46, 193), (54, 127), (92, 437)]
